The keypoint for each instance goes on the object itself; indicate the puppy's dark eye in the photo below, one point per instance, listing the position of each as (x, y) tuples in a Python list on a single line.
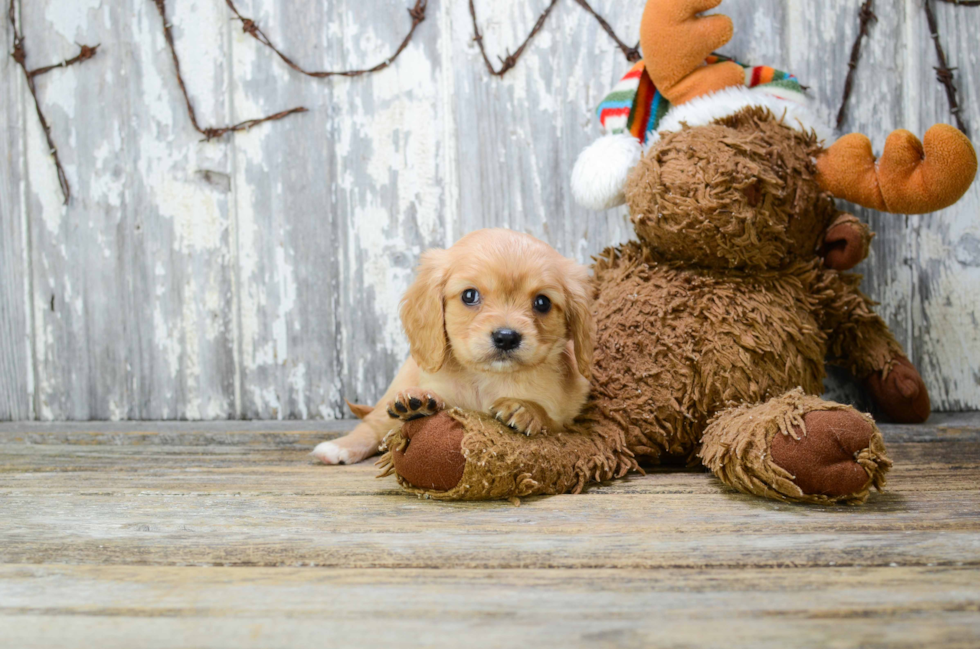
[(542, 304), (471, 297)]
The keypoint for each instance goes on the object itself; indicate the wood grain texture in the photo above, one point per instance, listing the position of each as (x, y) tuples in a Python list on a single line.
[(223, 534), (16, 364), (946, 245), (877, 106), (258, 276), (131, 278), (288, 607)]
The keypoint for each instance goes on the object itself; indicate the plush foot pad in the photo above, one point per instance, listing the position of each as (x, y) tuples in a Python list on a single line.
[(414, 403), (823, 461), (465, 455), (900, 394), (797, 448), (433, 457)]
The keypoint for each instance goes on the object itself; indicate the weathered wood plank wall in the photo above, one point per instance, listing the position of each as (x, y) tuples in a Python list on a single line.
[(259, 275)]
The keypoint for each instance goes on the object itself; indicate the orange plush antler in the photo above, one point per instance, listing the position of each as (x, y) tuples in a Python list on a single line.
[(911, 177), (675, 43)]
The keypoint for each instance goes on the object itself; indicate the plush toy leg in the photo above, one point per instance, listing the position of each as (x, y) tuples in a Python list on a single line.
[(463, 455), (860, 341), (797, 448)]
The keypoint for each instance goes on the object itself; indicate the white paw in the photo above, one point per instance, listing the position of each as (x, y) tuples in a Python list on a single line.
[(330, 453)]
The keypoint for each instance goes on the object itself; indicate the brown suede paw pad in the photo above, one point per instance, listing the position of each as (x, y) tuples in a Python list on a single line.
[(901, 394), (824, 460), (433, 457)]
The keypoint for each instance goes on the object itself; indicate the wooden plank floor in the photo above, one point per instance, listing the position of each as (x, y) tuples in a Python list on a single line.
[(225, 535)]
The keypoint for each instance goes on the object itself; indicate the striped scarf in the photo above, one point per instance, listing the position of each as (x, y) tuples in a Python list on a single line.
[(636, 106)]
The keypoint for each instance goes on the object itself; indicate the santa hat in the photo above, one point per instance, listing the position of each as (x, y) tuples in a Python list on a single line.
[(635, 113)]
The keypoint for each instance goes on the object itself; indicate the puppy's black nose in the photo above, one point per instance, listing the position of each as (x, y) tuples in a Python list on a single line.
[(506, 339)]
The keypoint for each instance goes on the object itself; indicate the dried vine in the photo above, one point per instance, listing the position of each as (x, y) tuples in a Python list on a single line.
[(20, 56), (209, 132), (632, 54), (507, 63), (944, 73), (866, 14), (417, 13)]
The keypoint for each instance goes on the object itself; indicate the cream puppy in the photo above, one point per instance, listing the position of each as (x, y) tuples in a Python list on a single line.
[(499, 323)]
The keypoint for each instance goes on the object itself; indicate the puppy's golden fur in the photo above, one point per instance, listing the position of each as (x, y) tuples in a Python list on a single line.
[(540, 384)]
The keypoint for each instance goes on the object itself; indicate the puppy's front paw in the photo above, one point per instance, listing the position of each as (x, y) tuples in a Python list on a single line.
[(414, 403), (523, 416)]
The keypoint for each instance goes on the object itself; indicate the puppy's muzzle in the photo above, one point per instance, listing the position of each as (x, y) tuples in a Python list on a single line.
[(506, 339)]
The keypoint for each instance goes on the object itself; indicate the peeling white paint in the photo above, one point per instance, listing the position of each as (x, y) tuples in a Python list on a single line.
[(415, 155)]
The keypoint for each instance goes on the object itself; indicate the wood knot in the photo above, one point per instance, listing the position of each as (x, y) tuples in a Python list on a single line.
[(632, 54), (19, 54), (86, 52)]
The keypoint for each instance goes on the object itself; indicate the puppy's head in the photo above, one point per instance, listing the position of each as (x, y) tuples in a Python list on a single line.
[(498, 301)]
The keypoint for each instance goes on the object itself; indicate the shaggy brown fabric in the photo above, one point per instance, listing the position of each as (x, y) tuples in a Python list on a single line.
[(675, 345), (899, 392), (740, 193), (502, 464), (725, 301), (737, 448)]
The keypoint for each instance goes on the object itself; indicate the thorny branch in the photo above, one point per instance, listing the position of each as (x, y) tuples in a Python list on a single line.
[(509, 61), (209, 132), (867, 14), (417, 13), (20, 56), (632, 54), (85, 52), (944, 73)]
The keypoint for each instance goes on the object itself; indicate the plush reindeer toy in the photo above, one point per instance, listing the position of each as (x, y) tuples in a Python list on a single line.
[(713, 328)]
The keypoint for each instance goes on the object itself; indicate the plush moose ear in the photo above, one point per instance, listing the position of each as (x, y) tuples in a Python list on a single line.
[(423, 312), (578, 315), (846, 243)]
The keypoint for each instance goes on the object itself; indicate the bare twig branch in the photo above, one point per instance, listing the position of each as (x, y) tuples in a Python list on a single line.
[(866, 14), (20, 56), (632, 54), (944, 73), (209, 132), (417, 13), (84, 54), (509, 61)]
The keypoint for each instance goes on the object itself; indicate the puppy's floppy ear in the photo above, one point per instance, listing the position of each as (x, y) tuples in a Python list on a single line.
[(579, 292), (423, 312)]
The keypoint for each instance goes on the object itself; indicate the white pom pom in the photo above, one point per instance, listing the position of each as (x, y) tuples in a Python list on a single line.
[(599, 176)]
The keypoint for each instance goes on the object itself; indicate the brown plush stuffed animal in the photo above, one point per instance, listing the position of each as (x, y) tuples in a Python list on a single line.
[(714, 327)]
